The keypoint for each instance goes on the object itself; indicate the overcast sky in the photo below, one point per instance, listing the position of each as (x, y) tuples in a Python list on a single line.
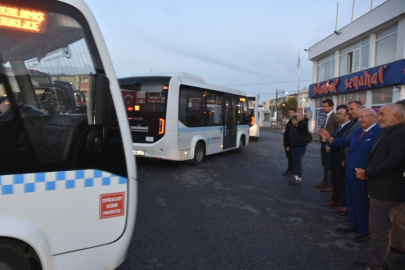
[(251, 45)]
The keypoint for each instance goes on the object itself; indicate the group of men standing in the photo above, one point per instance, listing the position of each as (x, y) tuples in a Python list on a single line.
[(363, 159)]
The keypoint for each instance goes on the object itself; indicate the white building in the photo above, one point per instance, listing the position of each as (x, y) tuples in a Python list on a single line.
[(279, 103), (264, 117), (363, 61)]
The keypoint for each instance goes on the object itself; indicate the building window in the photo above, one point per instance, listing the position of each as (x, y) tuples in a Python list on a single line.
[(266, 117), (351, 97), (382, 96), (326, 68), (386, 46), (354, 57), (355, 96), (341, 100)]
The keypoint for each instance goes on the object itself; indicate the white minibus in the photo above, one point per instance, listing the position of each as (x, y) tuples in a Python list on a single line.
[(254, 131), (68, 190), (181, 117)]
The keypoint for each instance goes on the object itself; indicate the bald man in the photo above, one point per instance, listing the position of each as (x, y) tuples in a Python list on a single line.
[(383, 173), (360, 142)]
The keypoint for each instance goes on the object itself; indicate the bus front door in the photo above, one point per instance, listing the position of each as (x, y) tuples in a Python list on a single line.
[(230, 127)]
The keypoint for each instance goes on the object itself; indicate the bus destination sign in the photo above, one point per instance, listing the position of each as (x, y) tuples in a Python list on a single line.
[(22, 19)]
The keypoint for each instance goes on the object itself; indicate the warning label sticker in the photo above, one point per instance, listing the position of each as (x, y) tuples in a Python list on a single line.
[(112, 205)]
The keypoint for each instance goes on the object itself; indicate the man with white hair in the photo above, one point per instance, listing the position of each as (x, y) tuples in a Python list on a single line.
[(360, 142), (398, 227), (383, 174)]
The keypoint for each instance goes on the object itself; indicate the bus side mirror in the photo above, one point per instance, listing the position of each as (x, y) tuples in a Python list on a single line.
[(99, 100)]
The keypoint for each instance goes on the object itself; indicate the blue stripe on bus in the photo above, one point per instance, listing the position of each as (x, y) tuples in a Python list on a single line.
[(198, 129), (37, 182)]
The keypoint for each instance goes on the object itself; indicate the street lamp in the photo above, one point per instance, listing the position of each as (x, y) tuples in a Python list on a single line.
[(299, 75), (278, 91)]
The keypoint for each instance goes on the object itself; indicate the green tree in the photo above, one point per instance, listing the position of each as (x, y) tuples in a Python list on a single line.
[(284, 106)]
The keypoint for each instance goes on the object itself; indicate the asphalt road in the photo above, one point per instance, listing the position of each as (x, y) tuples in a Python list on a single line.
[(236, 211)]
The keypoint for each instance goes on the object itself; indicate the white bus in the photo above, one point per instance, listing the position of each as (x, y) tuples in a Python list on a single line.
[(68, 189), (180, 117), (254, 131)]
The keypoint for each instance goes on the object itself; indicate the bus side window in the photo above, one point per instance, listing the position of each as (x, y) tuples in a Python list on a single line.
[(195, 114), (183, 109)]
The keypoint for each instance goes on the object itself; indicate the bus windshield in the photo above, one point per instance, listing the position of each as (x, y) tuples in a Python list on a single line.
[(48, 56)]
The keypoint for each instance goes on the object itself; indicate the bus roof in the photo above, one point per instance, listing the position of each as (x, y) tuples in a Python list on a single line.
[(192, 80)]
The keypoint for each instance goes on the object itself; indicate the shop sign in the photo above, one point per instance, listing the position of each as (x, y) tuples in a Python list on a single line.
[(381, 76), (366, 79), (328, 87), (321, 115)]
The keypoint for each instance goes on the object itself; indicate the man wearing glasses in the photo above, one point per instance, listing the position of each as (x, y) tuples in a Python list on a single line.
[(361, 143)]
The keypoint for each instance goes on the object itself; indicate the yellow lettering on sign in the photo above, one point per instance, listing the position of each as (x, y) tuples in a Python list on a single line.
[(21, 18)]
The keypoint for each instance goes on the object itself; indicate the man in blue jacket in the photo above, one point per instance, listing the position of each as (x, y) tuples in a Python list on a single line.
[(361, 143)]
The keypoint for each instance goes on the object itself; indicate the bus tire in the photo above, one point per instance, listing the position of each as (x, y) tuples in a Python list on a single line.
[(12, 256), (241, 145), (199, 154)]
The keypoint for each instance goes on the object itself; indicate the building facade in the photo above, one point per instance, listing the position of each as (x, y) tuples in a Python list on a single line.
[(363, 61), (281, 103)]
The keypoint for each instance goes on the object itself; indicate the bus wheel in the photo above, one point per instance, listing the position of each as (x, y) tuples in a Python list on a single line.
[(12, 257), (199, 154), (241, 145)]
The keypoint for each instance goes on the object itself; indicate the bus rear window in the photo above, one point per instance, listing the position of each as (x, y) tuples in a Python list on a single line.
[(147, 94)]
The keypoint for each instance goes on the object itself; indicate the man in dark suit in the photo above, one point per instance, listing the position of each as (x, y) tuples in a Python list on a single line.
[(329, 123), (337, 170), (354, 107), (385, 181), (360, 142), (398, 227), (286, 143)]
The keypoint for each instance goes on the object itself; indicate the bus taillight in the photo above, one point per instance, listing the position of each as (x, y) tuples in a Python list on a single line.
[(161, 126), (252, 120)]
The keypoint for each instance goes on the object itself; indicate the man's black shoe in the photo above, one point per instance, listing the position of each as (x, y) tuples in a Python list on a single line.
[(362, 238), (384, 268), (397, 251), (287, 173), (347, 229), (400, 261), (341, 214)]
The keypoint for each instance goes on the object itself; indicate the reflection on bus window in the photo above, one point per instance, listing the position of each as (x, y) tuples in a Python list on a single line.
[(200, 107)]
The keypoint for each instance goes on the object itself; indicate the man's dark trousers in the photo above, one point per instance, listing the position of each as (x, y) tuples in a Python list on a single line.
[(381, 218), (337, 175), (325, 164), (290, 167), (357, 205)]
